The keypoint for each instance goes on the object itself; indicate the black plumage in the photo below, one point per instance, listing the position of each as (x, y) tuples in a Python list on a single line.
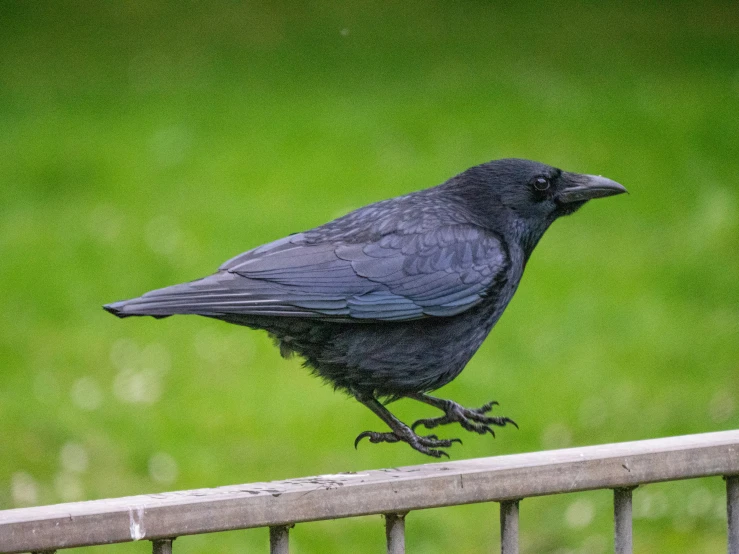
[(393, 299)]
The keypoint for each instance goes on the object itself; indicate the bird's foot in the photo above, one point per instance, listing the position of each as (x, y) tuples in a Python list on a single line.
[(471, 419), (425, 444)]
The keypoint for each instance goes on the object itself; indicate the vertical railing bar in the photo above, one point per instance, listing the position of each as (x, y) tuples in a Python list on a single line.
[(279, 539), (622, 527), (509, 527), (162, 546), (732, 513), (395, 533)]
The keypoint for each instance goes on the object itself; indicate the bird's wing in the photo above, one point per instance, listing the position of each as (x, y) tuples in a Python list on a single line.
[(399, 276)]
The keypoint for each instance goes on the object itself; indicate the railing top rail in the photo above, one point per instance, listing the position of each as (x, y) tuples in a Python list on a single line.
[(370, 492)]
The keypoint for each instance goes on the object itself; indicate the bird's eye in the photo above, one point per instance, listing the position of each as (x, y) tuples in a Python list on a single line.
[(541, 183)]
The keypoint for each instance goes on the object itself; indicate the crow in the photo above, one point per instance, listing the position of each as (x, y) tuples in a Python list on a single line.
[(392, 300)]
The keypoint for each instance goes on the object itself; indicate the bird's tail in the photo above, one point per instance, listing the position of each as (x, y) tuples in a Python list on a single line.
[(220, 294), (148, 304), (185, 298), (128, 308)]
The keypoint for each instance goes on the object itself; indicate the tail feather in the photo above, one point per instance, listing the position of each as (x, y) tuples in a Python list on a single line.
[(176, 299), (128, 308), (220, 294)]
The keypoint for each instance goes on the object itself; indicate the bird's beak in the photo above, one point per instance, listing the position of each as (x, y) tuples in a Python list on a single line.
[(586, 187)]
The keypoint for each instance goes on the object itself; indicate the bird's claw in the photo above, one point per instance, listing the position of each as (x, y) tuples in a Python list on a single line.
[(376, 437), (428, 444), (473, 420)]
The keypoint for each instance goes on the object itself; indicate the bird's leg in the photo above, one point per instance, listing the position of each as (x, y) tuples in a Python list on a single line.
[(471, 419), (401, 432)]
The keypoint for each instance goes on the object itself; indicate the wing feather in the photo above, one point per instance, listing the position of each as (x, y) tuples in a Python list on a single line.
[(397, 277)]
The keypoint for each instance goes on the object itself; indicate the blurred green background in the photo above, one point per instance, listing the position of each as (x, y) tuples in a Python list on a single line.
[(143, 143)]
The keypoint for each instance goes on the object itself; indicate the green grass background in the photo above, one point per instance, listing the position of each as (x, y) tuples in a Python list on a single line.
[(143, 143)]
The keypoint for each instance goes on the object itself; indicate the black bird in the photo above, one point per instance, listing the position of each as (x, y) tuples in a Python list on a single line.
[(392, 300)]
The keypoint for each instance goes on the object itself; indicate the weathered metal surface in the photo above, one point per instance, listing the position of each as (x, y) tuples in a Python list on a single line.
[(622, 520), (279, 539), (162, 546), (395, 533), (371, 492), (732, 511), (509, 527)]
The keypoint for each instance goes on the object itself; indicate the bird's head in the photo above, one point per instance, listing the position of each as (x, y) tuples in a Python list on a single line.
[(532, 191), (536, 190), (530, 195)]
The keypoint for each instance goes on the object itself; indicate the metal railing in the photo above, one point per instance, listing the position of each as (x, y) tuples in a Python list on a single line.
[(279, 505)]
